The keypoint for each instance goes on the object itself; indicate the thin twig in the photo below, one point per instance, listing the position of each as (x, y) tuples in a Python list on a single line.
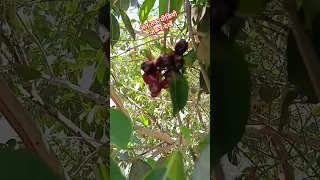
[(39, 45)]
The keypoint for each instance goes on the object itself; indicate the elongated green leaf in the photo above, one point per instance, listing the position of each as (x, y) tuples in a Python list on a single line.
[(91, 38), (27, 73), (127, 23), (115, 171), (230, 96), (20, 164), (103, 171), (175, 166), (87, 54), (120, 128), (145, 9), (122, 4), (186, 133), (156, 174), (102, 72), (202, 167), (114, 30), (179, 91), (174, 5)]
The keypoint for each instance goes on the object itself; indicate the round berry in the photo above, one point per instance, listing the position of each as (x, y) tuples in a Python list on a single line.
[(181, 47), (158, 73), (154, 87), (165, 83), (178, 62), (155, 95), (164, 60), (146, 78), (149, 67), (153, 78), (167, 74)]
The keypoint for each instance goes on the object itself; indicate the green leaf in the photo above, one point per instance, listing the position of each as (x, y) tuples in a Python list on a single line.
[(151, 162), (316, 111), (72, 6), (174, 5), (251, 8), (102, 72), (115, 171), (186, 133), (230, 96), (120, 128), (26, 164), (156, 174), (27, 73), (179, 91), (144, 119), (190, 58), (91, 38), (11, 17), (145, 9), (115, 30), (127, 23), (87, 54), (139, 169), (123, 4), (104, 171), (99, 132), (175, 167), (202, 166)]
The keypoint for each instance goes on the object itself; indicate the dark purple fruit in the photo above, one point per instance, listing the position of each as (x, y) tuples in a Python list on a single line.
[(155, 88), (165, 83), (164, 60), (146, 78), (167, 74), (149, 67), (158, 73), (155, 95), (181, 47), (153, 78), (178, 62)]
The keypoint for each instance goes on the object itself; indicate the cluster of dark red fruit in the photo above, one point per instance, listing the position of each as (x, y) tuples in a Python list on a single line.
[(165, 62)]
